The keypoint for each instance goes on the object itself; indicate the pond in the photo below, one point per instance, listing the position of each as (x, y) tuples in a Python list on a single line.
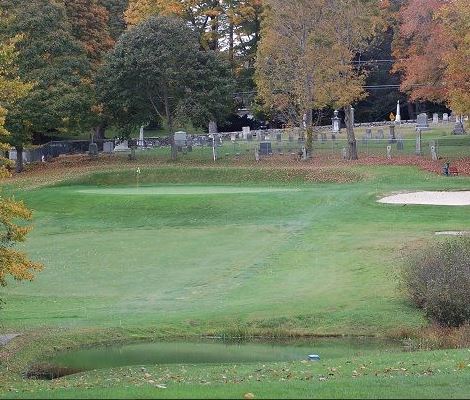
[(215, 352)]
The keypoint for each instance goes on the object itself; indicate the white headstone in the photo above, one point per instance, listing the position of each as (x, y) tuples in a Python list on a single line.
[(123, 146), (398, 117), (389, 152), (141, 136), (246, 132), (435, 118), (336, 122), (445, 117), (433, 153)]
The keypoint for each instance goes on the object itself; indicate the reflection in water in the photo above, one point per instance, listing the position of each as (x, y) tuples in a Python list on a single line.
[(204, 353)]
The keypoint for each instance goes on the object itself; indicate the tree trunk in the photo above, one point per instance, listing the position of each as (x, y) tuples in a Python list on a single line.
[(352, 144), (19, 159), (169, 118), (99, 131), (411, 113), (309, 123), (230, 46)]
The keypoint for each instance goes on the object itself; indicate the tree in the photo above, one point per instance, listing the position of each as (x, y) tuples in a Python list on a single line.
[(116, 21), (419, 48), (158, 70), (12, 262), (90, 26), (304, 58), (50, 56), (455, 18), (231, 27)]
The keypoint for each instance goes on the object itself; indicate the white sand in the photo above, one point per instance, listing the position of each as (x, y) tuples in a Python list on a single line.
[(430, 198), (453, 233)]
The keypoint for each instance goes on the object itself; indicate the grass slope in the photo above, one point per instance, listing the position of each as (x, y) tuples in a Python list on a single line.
[(318, 260)]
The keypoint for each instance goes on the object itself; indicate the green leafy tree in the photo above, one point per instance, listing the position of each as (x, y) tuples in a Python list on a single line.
[(55, 61), (157, 70)]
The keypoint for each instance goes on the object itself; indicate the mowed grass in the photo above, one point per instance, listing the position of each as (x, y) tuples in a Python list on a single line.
[(313, 259)]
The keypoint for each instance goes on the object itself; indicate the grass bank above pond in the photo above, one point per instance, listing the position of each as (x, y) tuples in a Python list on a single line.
[(319, 259)]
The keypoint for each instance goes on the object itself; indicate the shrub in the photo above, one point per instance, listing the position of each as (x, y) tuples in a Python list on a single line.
[(437, 279)]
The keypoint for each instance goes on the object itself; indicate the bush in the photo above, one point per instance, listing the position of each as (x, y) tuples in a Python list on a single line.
[(437, 279)]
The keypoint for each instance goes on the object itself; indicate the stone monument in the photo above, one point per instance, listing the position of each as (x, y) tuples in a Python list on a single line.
[(336, 122), (422, 122), (418, 142)]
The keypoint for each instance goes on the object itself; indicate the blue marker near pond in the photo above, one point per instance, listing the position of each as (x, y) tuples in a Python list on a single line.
[(313, 357)]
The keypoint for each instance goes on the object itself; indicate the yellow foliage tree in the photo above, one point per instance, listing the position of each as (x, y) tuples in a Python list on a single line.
[(304, 58), (12, 263)]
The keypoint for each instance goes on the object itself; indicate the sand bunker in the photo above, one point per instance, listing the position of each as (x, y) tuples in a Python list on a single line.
[(430, 198), (182, 190)]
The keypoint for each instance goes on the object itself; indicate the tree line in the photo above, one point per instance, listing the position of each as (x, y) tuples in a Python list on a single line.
[(96, 64)]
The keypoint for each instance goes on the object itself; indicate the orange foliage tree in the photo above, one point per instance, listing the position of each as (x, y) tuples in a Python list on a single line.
[(432, 52)]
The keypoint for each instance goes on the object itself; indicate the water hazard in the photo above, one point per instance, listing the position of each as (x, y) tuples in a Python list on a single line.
[(202, 353)]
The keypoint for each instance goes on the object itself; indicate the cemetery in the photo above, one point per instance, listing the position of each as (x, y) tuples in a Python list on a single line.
[(234, 199)]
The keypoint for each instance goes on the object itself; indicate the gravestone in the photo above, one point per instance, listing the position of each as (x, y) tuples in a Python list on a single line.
[(422, 122), (246, 131), (108, 147), (389, 152), (279, 137), (180, 139), (398, 116), (445, 117), (400, 143), (93, 150), (435, 118), (123, 146), (335, 122), (249, 137), (368, 133), (233, 137), (304, 154), (433, 153), (392, 131), (459, 129), (265, 148), (256, 154), (213, 127), (345, 153), (141, 137), (418, 142)]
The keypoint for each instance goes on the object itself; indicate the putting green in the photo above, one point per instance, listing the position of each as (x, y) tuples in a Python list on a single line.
[(183, 190)]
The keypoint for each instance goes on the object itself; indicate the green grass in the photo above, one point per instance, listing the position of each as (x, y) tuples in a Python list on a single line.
[(320, 259), (437, 374)]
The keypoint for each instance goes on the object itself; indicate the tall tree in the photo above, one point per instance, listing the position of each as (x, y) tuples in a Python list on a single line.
[(90, 26), (12, 262), (455, 18), (304, 58), (231, 27), (419, 48), (50, 56), (158, 70)]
